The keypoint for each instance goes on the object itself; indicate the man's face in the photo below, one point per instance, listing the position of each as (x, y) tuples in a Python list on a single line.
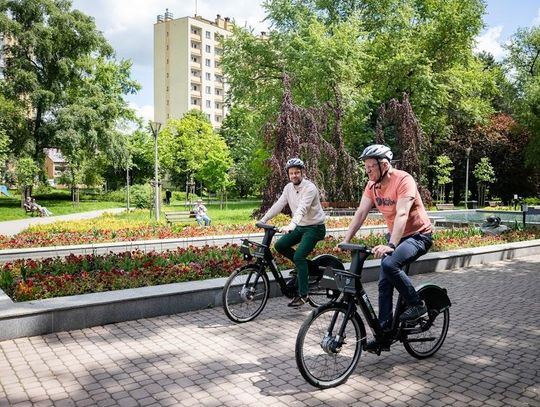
[(295, 175), (372, 168)]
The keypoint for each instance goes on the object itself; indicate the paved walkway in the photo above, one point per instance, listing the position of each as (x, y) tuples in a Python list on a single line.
[(12, 227), (490, 357)]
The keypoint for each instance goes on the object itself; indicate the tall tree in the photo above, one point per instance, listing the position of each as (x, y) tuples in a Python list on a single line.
[(524, 60), (63, 70), (189, 148)]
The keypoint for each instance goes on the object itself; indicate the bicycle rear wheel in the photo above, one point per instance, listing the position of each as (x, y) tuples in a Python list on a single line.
[(245, 293), (323, 359), (426, 337)]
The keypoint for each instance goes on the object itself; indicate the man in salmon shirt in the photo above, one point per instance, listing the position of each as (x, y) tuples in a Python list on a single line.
[(395, 194)]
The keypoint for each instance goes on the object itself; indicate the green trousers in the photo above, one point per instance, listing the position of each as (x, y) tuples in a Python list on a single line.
[(306, 237)]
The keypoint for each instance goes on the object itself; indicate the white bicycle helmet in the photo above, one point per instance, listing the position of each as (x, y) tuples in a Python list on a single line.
[(294, 162), (377, 151)]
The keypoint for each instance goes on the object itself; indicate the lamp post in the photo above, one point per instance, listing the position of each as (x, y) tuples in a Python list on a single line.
[(468, 151), (155, 126)]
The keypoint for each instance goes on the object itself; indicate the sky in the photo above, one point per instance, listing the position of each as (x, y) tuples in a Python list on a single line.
[(128, 26)]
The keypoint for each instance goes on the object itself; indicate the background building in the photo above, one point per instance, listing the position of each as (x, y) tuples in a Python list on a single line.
[(187, 73), (55, 165)]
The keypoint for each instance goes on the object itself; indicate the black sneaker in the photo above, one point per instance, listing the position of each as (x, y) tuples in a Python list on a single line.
[(298, 301), (414, 312), (377, 347)]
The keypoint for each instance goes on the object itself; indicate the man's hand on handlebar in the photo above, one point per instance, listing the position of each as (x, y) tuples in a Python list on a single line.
[(286, 229), (381, 250)]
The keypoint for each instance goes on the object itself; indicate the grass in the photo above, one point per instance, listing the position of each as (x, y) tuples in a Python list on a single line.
[(10, 208)]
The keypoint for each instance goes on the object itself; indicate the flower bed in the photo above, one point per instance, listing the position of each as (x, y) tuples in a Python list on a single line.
[(109, 229), (25, 280)]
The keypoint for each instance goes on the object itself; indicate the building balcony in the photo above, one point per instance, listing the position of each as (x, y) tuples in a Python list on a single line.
[(196, 37), (218, 98), (195, 79), (195, 51), (195, 93), (195, 65)]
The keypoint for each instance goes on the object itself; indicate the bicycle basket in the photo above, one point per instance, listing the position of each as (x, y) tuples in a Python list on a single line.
[(335, 279), (245, 249)]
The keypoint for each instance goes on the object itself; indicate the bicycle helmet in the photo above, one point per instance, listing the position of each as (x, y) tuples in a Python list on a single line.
[(377, 151), (294, 162)]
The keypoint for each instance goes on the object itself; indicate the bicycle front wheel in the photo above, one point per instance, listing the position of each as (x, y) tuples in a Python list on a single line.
[(245, 293), (323, 358)]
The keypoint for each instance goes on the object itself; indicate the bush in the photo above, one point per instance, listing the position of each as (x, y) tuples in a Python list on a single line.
[(532, 201), (141, 196), (114, 196)]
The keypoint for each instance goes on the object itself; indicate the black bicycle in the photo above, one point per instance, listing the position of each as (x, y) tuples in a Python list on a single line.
[(331, 340), (247, 289)]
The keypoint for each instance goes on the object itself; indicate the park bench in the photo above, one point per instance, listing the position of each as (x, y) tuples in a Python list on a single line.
[(444, 207), (32, 210), (178, 217)]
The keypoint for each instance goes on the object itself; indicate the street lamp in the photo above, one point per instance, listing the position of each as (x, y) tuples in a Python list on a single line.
[(155, 126), (468, 151)]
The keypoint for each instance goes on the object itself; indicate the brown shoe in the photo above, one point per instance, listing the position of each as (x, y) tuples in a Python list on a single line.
[(298, 301)]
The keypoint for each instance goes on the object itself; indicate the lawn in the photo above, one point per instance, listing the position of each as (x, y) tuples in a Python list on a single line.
[(10, 207)]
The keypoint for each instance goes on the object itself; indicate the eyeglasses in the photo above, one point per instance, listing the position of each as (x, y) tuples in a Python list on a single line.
[(371, 167)]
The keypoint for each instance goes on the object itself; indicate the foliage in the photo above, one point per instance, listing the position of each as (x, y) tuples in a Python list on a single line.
[(483, 171), (408, 139), (299, 133), (443, 169), (524, 61), (60, 68), (141, 196), (189, 148), (26, 173)]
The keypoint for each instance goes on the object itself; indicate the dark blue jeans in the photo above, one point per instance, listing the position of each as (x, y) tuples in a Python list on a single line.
[(392, 275)]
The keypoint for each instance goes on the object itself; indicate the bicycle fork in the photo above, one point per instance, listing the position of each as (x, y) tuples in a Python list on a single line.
[(332, 344)]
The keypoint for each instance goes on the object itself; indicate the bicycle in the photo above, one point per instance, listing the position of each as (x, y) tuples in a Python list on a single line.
[(331, 339), (248, 288)]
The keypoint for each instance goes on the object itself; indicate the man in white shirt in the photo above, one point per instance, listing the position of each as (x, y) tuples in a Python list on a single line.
[(201, 214), (306, 227)]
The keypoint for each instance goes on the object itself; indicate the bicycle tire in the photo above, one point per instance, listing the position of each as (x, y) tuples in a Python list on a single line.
[(429, 335), (326, 368), (242, 300)]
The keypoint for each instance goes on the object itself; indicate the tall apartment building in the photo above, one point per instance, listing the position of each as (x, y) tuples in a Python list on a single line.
[(187, 73)]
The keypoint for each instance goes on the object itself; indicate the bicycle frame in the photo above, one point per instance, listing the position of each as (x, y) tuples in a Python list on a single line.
[(358, 296), (264, 255)]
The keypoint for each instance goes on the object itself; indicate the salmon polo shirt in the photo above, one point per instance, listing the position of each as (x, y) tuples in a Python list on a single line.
[(400, 185)]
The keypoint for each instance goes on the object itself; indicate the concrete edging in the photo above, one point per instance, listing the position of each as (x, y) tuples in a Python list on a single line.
[(81, 311)]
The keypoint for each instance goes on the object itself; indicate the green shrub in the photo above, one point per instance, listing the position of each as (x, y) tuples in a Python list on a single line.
[(141, 196), (532, 201)]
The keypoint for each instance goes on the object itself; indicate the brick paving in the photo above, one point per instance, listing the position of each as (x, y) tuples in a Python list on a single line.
[(490, 358)]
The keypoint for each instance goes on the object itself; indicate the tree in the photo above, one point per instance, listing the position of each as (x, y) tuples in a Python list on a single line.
[(188, 147), (299, 133), (60, 68), (483, 171), (524, 61), (442, 168), (26, 172)]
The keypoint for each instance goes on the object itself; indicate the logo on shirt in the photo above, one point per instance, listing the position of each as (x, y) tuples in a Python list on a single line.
[(384, 201)]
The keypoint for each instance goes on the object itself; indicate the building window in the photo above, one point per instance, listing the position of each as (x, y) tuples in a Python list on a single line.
[(194, 59), (207, 62), (193, 101), (216, 64), (218, 92), (208, 115), (208, 103), (218, 106), (208, 76), (219, 78), (208, 48), (208, 34), (208, 90), (194, 45), (218, 119), (194, 87)]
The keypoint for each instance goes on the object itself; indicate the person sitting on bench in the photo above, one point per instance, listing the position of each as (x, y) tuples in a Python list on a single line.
[(42, 210), (201, 213)]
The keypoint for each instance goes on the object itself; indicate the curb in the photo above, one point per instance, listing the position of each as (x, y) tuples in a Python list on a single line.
[(82, 311)]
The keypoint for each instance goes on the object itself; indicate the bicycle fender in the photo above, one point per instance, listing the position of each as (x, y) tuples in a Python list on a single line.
[(324, 260), (435, 297)]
